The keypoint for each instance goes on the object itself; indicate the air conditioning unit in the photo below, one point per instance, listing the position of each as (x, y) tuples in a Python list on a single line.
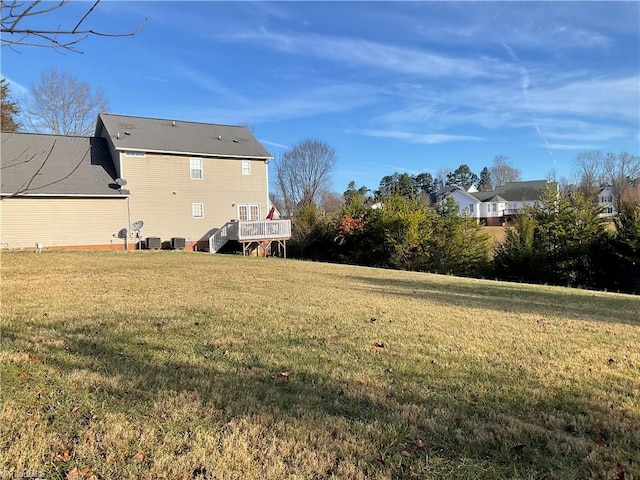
[(178, 243), (153, 243)]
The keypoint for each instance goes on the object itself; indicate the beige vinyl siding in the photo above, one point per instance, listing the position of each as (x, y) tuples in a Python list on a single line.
[(163, 193), (58, 222)]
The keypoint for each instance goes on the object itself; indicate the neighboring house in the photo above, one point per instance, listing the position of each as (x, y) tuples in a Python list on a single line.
[(495, 207), (183, 180), (607, 201)]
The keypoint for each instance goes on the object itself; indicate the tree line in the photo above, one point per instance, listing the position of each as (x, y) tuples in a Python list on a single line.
[(562, 240)]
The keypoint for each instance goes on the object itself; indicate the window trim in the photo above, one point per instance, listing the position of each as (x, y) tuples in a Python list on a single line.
[(249, 206), (246, 167), (197, 207), (131, 153), (196, 169)]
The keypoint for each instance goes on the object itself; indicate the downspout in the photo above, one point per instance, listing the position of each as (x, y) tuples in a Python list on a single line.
[(266, 172)]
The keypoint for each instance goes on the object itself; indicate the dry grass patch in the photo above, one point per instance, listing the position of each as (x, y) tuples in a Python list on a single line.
[(174, 365)]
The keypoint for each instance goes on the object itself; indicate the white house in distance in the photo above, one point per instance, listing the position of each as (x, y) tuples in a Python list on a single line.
[(607, 201), (495, 207)]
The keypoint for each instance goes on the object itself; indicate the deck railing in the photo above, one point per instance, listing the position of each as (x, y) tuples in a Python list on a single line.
[(263, 230), (246, 231), (513, 211)]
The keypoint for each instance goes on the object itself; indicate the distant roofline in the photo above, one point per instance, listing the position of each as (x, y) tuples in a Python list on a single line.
[(172, 120)]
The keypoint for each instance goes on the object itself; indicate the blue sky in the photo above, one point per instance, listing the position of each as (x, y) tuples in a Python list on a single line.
[(391, 86)]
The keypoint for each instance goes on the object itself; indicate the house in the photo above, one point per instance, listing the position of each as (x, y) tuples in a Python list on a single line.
[(495, 207), (137, 182), (606, 200)]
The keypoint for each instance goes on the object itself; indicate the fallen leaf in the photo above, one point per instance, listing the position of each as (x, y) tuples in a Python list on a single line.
[(373, 319), (34, 360), (75, 409), (24, 374), (74, 474), (611, 361), (139, 457), (404, 453), (81, 474), (378, 345), (65, 456), (619, 472), (284, 376)]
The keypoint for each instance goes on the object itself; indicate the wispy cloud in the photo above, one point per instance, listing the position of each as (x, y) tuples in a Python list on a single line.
[(569, 110), (16, 89), (420, 138), (383, 56), (576, 147), (278, 106), (274, 144)]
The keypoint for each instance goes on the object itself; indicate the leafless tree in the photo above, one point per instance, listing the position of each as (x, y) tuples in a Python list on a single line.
[(589, 171), (622, 173), (21, 25), (303, 173), (502, 171), (63, 105), (330, 202)]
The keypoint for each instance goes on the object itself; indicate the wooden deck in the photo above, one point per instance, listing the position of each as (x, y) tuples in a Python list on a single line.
[(258, 233)]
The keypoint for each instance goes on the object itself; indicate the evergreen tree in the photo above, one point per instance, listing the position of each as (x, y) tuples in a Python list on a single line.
[(424, 183), (462, 176), (401, 184), (554, 242), (457, 245), (627, 249), (484, 182), (10, 109)]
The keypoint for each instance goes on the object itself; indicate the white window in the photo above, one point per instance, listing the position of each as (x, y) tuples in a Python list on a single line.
[(135, 154), (196, 168), (197, 210), (246, 167), (248, 212)]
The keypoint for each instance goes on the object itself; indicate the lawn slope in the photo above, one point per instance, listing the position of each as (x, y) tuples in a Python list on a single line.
[(179, 366)]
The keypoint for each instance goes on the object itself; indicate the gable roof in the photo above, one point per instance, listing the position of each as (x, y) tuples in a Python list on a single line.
[(179, 137), (515, 192), (55, 165)]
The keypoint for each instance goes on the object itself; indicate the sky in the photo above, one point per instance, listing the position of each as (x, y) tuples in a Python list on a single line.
[(392, 86)]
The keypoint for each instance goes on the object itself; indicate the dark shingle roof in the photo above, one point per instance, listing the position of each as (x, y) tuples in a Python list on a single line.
[(515, 191), (176, 136), (34, 164)]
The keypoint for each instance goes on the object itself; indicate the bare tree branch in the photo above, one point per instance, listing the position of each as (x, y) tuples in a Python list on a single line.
[(15, 12), (63, 105), (303, 173), (26, 186)]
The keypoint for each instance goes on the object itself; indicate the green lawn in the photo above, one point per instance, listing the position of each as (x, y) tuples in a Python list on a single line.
[(181, 365)]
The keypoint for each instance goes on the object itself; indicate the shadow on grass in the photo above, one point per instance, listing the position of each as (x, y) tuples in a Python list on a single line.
[(499, 296), (473, 416)]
